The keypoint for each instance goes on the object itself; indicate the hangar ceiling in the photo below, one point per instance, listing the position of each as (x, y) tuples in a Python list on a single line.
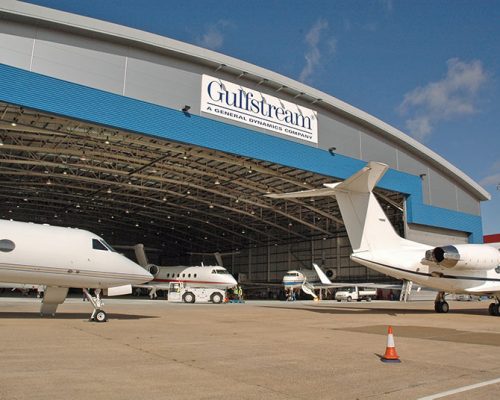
[(132, 188)]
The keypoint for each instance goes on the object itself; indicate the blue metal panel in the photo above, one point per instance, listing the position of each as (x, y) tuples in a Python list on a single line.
[(71, 100)]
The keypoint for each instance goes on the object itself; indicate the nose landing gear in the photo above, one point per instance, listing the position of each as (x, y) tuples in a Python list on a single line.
[(98, 315)]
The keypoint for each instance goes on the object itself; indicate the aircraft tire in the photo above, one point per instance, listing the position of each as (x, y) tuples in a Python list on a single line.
[(216, 298), (188, 297), (437, 307), (445, 307), (100, 316), (349, 299), (494, 309)]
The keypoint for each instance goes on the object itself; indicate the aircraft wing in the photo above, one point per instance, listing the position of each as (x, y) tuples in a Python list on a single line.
[(351, 284), (484, 289)]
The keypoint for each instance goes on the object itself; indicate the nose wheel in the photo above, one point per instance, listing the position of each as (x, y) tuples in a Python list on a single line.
[(98, 315)]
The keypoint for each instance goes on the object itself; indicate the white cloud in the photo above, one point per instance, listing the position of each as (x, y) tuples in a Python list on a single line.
[(313, 55), (213, 38), (494, 177), (452, 97)]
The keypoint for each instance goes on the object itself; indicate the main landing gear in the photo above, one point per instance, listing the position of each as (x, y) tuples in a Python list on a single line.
[(98, 315), (440, 304), (494, 308)]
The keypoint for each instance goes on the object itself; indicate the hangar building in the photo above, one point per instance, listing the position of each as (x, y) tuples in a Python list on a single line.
[(141, 138)]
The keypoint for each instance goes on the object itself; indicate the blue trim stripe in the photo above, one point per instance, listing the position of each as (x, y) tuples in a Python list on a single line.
[(71, 100)]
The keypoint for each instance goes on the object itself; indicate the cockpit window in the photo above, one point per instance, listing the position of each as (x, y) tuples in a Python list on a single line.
[(97, 245), (219, 271), (107, 245)]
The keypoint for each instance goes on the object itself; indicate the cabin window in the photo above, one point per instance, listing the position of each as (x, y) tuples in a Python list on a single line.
[(178, 275), (189, 275), (7, 245), (497, 269), (195, 275), (97, 245), (183, 275), (168, 275)]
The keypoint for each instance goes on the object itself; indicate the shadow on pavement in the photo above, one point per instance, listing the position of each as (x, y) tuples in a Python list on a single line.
[(385, 311), (69, 316)]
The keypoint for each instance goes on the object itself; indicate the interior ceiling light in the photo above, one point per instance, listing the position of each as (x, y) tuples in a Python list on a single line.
[(48, 182), (13, 124), (1, 142), (211, 205), (109, 190), (164, 198), (217, 182), (107, 140)]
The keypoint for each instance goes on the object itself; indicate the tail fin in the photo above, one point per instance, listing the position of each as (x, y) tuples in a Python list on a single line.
[(322, 277), (140, 254), (367, 225)]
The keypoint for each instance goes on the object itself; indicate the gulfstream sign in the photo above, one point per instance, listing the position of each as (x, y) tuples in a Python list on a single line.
[(248, 106)]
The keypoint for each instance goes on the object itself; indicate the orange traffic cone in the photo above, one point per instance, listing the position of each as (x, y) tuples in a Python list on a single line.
[(390, 351)]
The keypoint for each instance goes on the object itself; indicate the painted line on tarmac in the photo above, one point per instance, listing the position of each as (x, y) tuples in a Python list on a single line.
[(459, 390)]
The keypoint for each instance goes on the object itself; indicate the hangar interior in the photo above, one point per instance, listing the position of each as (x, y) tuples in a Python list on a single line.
[(175, 198)]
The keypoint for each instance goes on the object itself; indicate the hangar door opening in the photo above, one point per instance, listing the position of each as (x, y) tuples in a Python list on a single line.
[(175, 198)]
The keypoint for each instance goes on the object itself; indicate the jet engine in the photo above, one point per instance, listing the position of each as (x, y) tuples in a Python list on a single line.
[(153, 269), (331, 274), (465, 256)]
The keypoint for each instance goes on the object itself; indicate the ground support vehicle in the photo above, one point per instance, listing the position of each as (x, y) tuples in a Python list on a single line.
[(179, 293), (355, 293)]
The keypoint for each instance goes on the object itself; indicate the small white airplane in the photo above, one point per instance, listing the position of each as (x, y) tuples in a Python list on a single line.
[(310, 280), (465, 268), (214, 276), (59, 258)]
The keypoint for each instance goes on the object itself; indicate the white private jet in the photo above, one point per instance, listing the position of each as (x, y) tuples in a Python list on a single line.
[(59, 258), (310, 280), (203, 276), (465, 268)]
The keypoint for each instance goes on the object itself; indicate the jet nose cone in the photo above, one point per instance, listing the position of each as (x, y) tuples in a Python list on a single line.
[(146, 275)]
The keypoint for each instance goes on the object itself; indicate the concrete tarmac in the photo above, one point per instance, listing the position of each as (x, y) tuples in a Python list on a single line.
[(257, 350)]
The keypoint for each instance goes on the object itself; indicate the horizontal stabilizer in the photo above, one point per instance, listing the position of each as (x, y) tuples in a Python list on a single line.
[(303, 193), (362, 181)]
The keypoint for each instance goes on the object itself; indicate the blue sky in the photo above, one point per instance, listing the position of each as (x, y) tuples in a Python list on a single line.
[(429, 68)]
